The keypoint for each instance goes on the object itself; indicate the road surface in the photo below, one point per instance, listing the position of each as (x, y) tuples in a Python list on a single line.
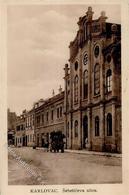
[(27, 166)]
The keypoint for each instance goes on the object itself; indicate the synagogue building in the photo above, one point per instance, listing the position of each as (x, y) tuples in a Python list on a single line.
[(93, 86)]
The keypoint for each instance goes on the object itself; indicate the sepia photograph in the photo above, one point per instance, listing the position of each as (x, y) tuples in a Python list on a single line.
[(64, 94)]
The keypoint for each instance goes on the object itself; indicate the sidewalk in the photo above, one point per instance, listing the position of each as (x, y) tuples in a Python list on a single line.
[(86, 152), (94, 153)]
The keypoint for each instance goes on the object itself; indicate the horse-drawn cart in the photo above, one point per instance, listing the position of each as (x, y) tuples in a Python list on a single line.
[(57, 143)]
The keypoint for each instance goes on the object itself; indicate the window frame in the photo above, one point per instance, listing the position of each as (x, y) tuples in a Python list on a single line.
[(109, 124), (58, 111), (97, 79), (97, 126), (85, 84), (52, 114), (109, 81), (76, 128)]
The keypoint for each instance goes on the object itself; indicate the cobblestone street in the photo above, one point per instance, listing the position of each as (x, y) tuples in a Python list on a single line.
[(62, 168)]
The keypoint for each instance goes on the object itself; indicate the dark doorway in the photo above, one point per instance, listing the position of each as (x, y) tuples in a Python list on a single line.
[(37, 140), (85, 130), (43, 142), (47, 137), (24, 141)]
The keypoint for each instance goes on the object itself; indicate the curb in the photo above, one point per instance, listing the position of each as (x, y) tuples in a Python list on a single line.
[(95, 153)]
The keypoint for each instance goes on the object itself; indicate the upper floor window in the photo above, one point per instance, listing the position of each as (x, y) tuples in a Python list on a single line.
[(18, 128), (22, 127), (42, 118), (76, 89), (76, 65), (85, 31), (96, 51), (97, 79), (38, 120), (47, 116), (96, 126), (109, 81), (85, 59), (57, 112), (76, 128), (52, 115), (109, 124), (60, 111), (85, 84)]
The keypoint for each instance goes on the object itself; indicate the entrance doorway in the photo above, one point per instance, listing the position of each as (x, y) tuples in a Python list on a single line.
[(43, 142), (85, 130), (24, 140)]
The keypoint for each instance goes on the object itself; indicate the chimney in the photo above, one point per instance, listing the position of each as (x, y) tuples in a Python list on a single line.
[(89, 14), (103, 16), (60, 89), (53, 92)]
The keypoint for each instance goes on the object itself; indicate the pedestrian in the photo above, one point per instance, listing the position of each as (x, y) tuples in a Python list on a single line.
[(47, 146), (86, 142)]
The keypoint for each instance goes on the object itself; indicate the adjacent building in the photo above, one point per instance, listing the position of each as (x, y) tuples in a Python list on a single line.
[(93, 86), (30, 128), (20, 135), (49, 117), (11, 126)]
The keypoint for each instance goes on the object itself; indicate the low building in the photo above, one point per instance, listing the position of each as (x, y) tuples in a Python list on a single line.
[(29, 129), (20, 135), (49, 117)]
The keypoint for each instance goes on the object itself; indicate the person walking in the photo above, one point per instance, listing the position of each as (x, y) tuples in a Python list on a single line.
[(86, 142)]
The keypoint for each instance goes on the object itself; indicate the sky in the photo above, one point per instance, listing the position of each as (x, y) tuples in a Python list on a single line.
[(38, 37)]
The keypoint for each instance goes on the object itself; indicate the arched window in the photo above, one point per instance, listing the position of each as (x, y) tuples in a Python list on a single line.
[(85, 84), (76, 128), (68, 129), (109, 81), (76, 65), (76, 89), (97, 79), (96, 126), (109, 124), (85, 31)]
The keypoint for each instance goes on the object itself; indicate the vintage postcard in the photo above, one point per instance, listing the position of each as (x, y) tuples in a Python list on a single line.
[(64, 97)]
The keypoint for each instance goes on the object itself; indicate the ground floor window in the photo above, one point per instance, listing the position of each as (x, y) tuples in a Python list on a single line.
[(96, 126), (76, 128), (109, 124)]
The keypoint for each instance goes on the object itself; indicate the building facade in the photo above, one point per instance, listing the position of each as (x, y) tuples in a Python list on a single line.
[(11, 126), (30, 128), (25, 134), (49, 117), (92, 103), (20, 135)]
